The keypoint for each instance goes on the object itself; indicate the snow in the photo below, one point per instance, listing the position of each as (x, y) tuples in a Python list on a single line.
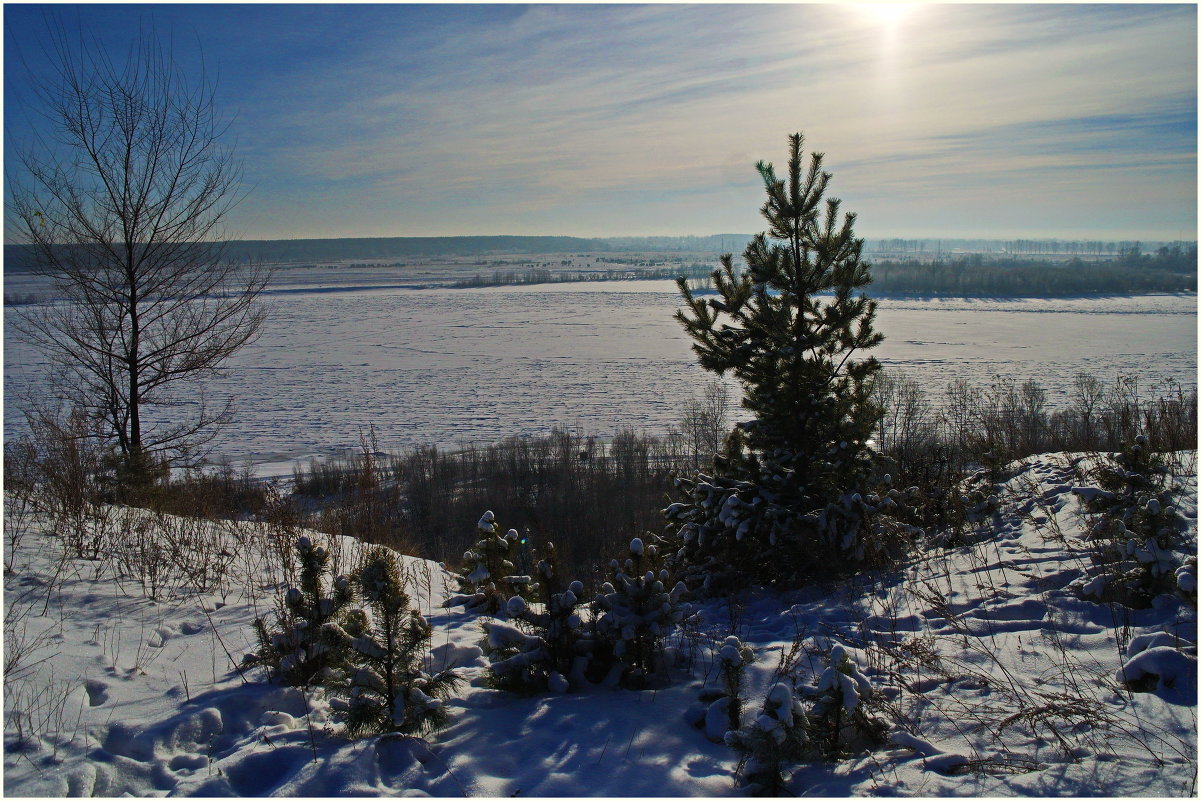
[(781, 695), (516, 606), (557, 683), (907, 740), (1186, 578), (996, 675), (1173, 669), (716, 720), (447, 366)]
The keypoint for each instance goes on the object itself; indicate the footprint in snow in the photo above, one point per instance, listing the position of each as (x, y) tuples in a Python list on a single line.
[(97, 692), (160, 636), (259, 773), (188, 762), (1028, 610), (394, 759)]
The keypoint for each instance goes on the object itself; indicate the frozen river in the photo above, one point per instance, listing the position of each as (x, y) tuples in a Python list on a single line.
[(458, 365)]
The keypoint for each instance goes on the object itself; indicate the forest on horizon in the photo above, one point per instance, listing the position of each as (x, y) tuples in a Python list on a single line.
[(923, 267)]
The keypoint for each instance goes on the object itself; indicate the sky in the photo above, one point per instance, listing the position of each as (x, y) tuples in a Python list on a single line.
[(992, 121)]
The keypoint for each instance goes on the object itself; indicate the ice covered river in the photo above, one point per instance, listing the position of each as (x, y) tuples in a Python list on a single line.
[(458, 365)]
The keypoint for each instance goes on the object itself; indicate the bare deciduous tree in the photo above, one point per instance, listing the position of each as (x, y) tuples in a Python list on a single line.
[(705, 421), (121, 198)]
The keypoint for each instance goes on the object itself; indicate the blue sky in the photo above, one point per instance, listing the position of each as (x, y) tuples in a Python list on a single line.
[(591, 120)]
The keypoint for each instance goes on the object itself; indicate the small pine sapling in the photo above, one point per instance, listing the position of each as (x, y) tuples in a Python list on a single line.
[(777, 736), (839, 719), (391, 691), (636, 612), (314, 621), (1136, 468), (1136, 529), (983, 490), (540, 650), (725, 713), (992, 456), (488, 579)]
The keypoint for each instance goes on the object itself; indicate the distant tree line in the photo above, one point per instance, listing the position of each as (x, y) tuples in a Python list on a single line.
[(927, 248), (538, 275), (1072, 248), (376, 249), (19, 257), (383, 251), (1169, 269)]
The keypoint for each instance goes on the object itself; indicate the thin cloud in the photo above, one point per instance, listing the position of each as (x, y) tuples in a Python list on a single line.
[(597, 120)]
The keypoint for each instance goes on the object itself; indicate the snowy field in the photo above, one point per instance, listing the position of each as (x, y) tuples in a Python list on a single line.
[(447, 366), (992, 674)]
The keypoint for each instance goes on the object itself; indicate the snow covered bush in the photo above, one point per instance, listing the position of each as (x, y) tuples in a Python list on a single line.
[(725, 713), (488, 578), (717, 513), (865, 526), (1136, 531), (732, 531), (312, 623), (1159, 661), (635, 613), (981, 503), (540, 649), (1186, 580), (777, 736), (839, 720), (390, 690)]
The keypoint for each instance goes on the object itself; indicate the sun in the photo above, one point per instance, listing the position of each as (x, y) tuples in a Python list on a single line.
[(887, 14)]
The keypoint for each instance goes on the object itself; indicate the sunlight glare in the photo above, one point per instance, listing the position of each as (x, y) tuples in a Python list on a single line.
[(886, 14)]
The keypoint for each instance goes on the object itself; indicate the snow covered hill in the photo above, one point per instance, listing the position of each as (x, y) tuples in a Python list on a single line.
[(990, 668)]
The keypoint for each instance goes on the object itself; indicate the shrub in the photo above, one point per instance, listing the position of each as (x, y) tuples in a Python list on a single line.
[(220, 493), (866, 527), (725, 713), (839, 720), (359, 498), (1135, 528), (594, 496)]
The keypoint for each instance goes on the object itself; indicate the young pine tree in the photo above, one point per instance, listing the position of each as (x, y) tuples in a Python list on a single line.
[(791, 327), (313, 621), (636, 611), (1136, 530), (777, 736), (487, 579), (725, 713), (391, 691), (839, 721), (540, 649)]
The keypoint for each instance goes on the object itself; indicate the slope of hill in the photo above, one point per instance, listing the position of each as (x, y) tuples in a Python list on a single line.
[(992, 672)]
